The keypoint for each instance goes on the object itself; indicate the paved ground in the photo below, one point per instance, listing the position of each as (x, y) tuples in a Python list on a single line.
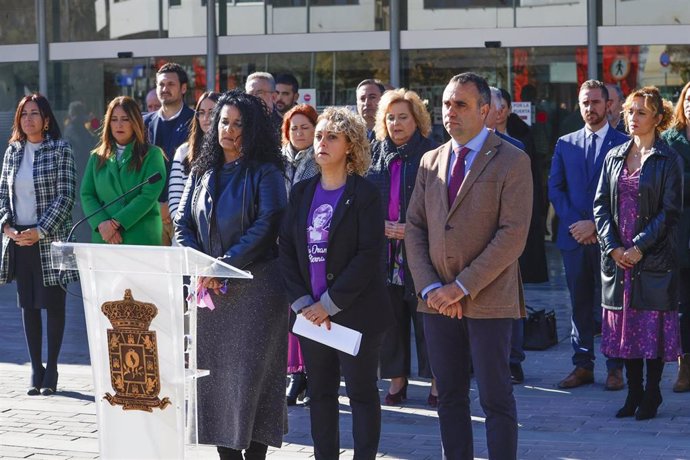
[(554, 424)]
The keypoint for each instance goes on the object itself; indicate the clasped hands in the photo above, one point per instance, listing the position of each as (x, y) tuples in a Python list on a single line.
[(26, 237), (394, 230), (211, 283), (446, 300), (110, 232), (584, 231), (317, 314), (626, 258)]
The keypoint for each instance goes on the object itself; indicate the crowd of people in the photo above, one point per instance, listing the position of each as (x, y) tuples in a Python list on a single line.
[(371, 224)]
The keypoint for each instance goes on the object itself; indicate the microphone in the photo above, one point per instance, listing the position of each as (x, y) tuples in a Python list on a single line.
[(152, 179)]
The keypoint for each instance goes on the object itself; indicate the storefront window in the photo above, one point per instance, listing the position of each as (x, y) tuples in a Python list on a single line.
[(644, 12), (17, 22), (473, 14), (16, 79)]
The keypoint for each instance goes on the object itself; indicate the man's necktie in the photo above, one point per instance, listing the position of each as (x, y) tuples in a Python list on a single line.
[(591, 154), (457, 174)]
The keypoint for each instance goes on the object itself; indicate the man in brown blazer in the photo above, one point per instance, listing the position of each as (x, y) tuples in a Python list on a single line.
[(467, 225)]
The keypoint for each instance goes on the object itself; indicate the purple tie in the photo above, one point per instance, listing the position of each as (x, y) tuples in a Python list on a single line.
[(457, 174)]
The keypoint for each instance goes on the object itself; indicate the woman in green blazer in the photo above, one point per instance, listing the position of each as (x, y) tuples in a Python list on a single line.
[(122, 160)]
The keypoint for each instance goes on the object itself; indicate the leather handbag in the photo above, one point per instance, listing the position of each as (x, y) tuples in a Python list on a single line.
[(540, 329)]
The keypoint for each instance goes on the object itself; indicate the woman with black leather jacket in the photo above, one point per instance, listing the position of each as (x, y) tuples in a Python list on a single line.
[(636, 211), (231, 209)]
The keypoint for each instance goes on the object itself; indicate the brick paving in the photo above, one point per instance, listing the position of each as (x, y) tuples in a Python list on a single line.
[(554, 424)]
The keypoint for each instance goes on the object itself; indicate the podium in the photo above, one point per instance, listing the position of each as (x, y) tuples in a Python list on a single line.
[(141, 342)]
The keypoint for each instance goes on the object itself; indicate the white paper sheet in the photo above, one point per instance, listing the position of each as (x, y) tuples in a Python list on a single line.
[(339, 337)]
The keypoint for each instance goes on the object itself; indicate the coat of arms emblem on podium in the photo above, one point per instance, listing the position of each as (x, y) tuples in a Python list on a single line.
[(133, 354)]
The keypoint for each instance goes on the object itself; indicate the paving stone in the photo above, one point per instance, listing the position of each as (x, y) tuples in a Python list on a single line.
[(553, 423)]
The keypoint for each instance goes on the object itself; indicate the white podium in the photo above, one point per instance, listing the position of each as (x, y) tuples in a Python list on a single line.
[(141, 342)]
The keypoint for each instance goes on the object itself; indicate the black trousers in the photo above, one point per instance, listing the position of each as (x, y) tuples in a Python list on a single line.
[(32, 298), (323, 372), (453, 344), (396, 351)]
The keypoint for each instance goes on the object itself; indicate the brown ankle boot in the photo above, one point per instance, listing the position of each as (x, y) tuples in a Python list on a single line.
[(683, 381)]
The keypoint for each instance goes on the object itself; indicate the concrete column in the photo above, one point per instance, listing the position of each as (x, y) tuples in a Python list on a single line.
[(395, 43), (592, 40), (211, 45), (42, 47)]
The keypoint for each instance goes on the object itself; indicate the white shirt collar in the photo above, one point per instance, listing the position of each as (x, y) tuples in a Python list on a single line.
[(601, 134), (160, 113)]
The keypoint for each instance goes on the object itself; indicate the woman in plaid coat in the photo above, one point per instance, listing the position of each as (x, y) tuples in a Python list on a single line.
[(37, 187)]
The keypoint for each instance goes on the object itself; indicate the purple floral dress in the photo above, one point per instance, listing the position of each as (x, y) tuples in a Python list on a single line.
[(631, 333)]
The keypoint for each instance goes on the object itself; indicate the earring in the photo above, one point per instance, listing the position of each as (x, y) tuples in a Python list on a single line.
[(45, 128)]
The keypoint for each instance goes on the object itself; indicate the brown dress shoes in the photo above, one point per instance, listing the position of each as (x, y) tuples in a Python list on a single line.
[(579, 376), (614, 380)]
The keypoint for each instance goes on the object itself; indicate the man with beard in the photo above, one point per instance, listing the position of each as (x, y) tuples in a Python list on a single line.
[(168, 127), (287, 89), (575, 170)]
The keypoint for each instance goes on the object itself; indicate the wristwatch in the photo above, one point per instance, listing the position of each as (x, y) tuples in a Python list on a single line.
[(41, 235)]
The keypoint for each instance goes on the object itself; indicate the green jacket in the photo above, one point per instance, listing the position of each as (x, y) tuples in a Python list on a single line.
[(138, 213)]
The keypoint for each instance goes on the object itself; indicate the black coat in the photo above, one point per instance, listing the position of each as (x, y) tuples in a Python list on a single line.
[(533, 267), (382, 154), (354, 265), (238, 224), (678, 142), (660, 202)]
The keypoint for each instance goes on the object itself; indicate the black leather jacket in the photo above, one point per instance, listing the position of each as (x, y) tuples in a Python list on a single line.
[(660, 201), (238, 224)]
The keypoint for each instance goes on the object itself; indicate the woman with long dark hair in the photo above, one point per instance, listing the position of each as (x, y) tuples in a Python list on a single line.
[(185, 153), (636, 210), (37, 188), (122, 160), (231, 210)]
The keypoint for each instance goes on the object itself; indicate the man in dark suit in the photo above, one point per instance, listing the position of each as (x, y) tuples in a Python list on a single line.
[(575, 170), (467, 224), (168, 127)]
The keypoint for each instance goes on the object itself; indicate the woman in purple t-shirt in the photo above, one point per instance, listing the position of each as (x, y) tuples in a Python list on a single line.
[(332, 255)]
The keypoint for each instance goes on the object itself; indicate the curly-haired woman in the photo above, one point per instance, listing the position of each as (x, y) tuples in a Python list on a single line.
[(231, 209), (636, 211), (336, 274)]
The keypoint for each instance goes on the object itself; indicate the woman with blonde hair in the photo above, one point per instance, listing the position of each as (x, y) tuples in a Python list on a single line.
[(339, 279), (402, 128), (636, 210), (678, 138), (122, 160)]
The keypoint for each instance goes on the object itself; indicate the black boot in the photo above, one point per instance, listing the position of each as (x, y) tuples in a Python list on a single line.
[(297, 384), (652, 394), (633, 370), (50, 379), (256, 451)]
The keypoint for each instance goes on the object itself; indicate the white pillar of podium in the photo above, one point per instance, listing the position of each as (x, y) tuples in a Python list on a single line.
[(145, 386)]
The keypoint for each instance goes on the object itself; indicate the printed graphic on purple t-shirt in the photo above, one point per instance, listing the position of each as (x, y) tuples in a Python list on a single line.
[(318, 224)]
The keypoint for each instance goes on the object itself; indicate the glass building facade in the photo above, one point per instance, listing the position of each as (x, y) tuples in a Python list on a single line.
[(537, 49)]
